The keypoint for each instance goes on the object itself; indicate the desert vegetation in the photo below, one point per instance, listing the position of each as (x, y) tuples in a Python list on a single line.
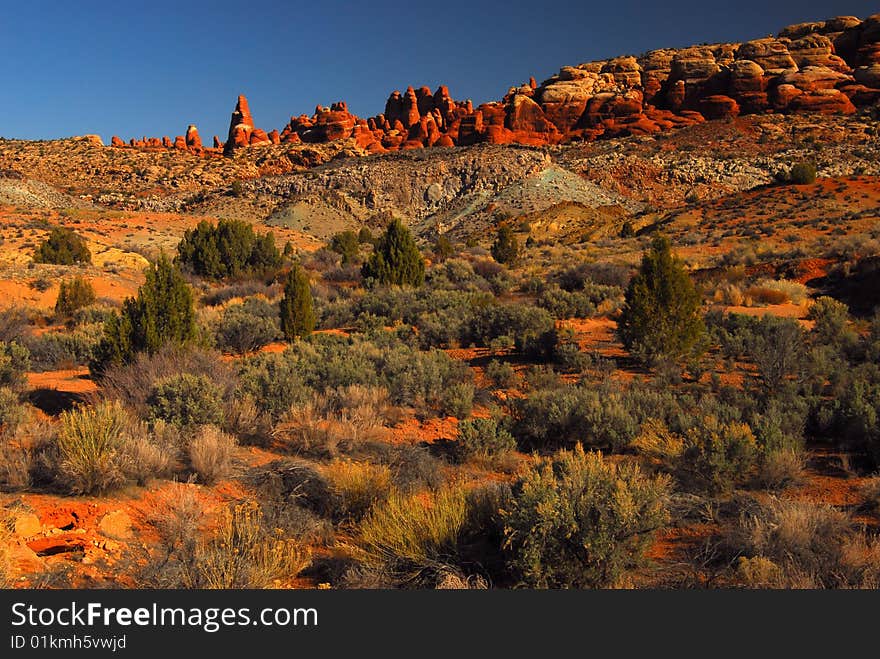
[(680, 396)]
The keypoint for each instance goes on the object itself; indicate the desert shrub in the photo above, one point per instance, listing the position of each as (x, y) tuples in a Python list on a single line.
[(408, 534), (240, 289), (243, 419), (808, 542), (563, 304), (162, 313), (14, 364), (567, 356), (13, 324), (443, 248), (771, 291), (53, 350), (133, 383), (210, 454), (273, 382), (12, 412), (483, 439), (578, 521), (776, 347), (599, 276), (230, 248), (656, 441), (802, 173), (243, 553), (186, 400), (661, 319), (396, 258), (358, 486), (854, 417), (247, 327), (716, 456), (346, 244), (532, 330), (565, 416), (505, 249), (92, 314), (500, 373), (90, 455), (365, 236), (336, 420), (296, 308), (74, 294), (63, 247), (149, 455), (830, 319), (778, 469)]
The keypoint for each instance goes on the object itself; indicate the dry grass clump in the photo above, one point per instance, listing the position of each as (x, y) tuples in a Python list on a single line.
[(243, 553), (358, 485), (337, 421), (770, 291), (211, 453), (90, 447), (800, 544), (20, 453), (411, 533)]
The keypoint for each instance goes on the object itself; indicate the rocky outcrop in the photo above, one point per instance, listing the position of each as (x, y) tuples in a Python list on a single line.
[(825, 67)]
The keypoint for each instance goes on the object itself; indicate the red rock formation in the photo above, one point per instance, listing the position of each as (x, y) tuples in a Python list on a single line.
[(193, 141), (828, 66), (116, 141), (240, 127)]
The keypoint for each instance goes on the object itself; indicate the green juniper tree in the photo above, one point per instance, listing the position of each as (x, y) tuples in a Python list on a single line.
[(661, 319), (505, 249), (63, 247), (161, 313), (396, 259), (296, 307)]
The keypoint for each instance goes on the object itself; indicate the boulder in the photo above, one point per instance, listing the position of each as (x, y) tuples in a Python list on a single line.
[(117, 525), (769, 54)]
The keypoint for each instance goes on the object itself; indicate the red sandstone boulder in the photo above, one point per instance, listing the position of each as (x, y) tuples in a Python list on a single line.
[(259, 136), (769, 54), (116, 141), (719, 107)]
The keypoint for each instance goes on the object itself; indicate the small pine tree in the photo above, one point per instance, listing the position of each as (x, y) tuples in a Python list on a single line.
[(505, 249), (396, 259), (296, 307), (63, 247), (661, 318), (365, 236), (161, 313), (74, 294)]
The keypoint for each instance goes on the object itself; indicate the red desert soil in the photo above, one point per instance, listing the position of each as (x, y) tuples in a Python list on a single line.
[(74, 381)]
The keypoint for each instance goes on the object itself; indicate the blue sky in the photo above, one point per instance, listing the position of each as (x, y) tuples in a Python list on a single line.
[(150, 68)]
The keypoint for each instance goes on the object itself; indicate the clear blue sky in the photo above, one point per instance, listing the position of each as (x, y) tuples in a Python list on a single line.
[(134, 68)]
